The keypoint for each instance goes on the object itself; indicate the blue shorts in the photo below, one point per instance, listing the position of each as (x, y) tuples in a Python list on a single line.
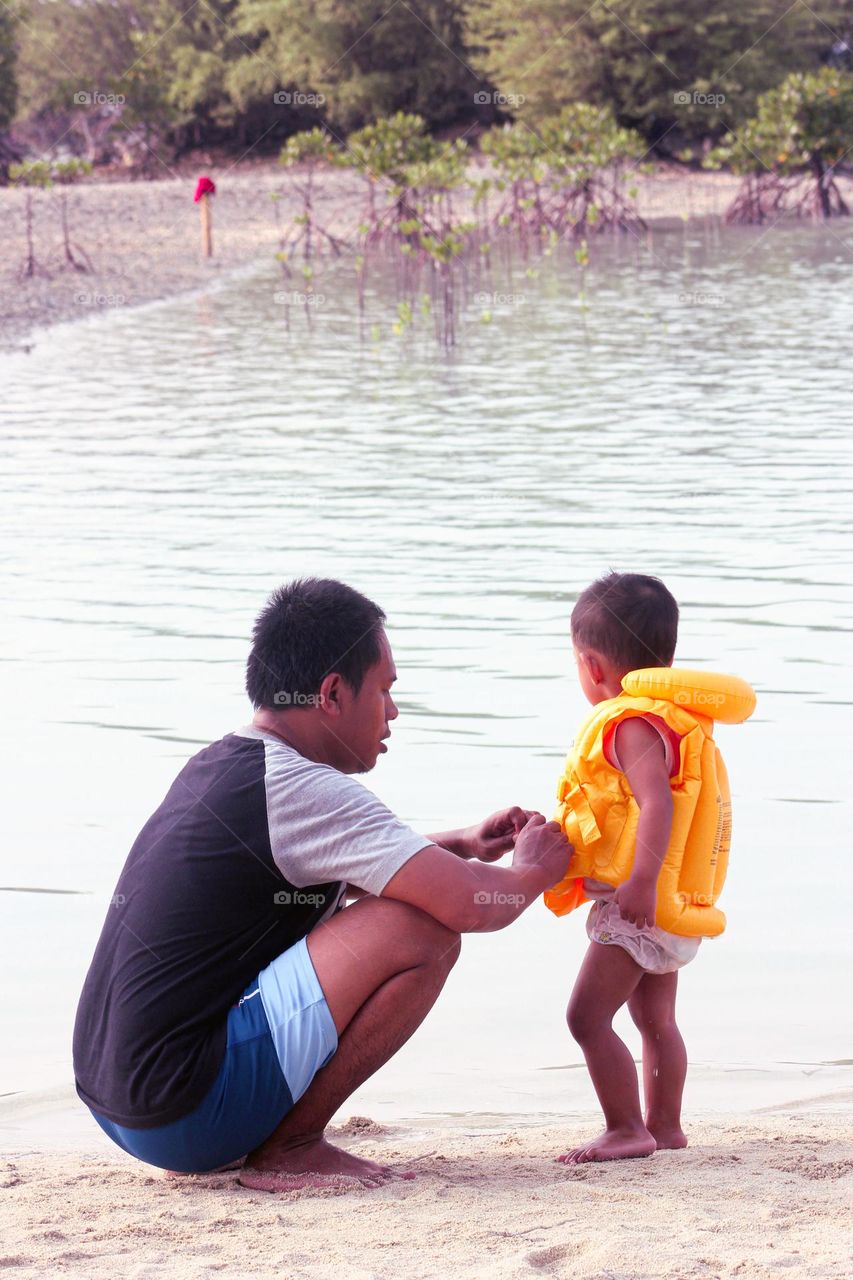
[(279, 1036)]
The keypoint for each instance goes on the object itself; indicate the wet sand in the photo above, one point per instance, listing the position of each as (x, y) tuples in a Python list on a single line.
[(143, 238)]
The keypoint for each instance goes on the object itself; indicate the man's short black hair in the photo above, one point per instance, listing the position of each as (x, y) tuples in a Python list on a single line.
[(307, 629), (628, 618)]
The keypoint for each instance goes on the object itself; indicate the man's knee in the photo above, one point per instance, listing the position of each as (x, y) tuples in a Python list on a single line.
[(451, 949), (397, 932), (429, 941)]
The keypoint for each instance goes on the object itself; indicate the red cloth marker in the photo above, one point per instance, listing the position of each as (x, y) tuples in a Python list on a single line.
[(204, 187)]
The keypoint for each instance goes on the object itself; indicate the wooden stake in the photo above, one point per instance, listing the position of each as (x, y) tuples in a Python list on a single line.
[(206, 226)]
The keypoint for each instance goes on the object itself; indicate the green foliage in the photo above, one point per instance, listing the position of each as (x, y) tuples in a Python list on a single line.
[(312, 146), (67, 49), (588, 137), (44, 173), (684, 66), (806, 123), (676, 70), (391, 147), (31, 173), (363, 59), (399, 152), (579, 141), (564, 173), (517, 152), (185, 59), (66, 171), (8, 68)]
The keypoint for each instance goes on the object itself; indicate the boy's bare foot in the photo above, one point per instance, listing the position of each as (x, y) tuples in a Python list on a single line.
[(613, 1144), (668, 1139), (314, 1164)]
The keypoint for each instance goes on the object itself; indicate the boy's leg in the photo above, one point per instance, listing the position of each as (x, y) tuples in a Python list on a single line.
[(652, 1006), (607, 979)]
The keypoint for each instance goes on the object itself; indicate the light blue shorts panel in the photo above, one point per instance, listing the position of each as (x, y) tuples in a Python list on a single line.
[(302, 1029)]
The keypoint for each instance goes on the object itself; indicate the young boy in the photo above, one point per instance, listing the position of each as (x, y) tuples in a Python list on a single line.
[(622, 623)]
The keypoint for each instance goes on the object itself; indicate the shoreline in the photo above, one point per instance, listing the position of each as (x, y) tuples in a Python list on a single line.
[(749, 1198), (143, 237), (50, 1118)]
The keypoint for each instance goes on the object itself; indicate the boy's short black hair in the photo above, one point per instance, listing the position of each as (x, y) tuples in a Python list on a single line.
[(307, 629), (629, 618)]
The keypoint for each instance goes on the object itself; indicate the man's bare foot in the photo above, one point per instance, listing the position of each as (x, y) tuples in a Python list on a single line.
[(668, 1139), (613, 1144), (314, 1164)]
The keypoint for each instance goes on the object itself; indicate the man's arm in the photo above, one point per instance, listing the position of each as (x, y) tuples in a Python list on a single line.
[(643, 761), (487, 840), (473, 897), (455, 842)]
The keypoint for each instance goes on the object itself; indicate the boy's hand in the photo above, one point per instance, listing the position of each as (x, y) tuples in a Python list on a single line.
[(496, 835), (636, 900)]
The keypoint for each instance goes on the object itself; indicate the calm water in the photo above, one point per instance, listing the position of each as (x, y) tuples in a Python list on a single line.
[(167, 467)]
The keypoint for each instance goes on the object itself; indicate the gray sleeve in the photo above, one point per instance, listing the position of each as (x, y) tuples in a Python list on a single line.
[(325, 825)]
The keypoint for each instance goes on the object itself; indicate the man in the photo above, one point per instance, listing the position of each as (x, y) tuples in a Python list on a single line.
[(232, 1006)]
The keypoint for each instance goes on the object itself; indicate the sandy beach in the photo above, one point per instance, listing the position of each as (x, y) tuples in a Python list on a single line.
[(755, 1198), (143, 237)]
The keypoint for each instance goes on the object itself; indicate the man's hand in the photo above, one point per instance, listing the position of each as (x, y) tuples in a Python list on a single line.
[(496, 835), (542, 846), (636, 900), (462, 894)]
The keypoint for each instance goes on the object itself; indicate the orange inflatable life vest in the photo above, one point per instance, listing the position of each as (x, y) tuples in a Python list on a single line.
[(599, 814)]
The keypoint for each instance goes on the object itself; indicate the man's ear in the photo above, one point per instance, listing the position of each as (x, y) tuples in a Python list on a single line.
[(331, 689)]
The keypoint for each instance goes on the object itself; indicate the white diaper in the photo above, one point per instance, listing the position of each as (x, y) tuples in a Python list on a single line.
[(653, 949)]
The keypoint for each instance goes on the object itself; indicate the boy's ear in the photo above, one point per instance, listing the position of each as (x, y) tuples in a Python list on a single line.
[(593, 666)]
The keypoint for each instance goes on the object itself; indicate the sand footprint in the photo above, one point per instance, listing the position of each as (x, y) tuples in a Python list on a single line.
[(549, 1257)]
